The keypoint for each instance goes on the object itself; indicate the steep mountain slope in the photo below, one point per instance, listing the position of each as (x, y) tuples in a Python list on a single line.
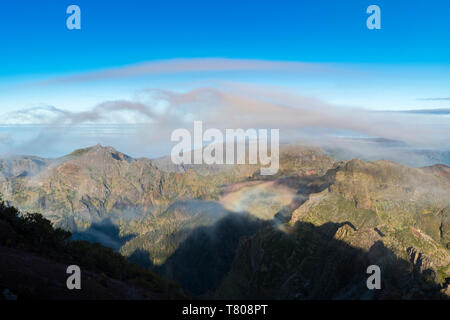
[(395, 199), (21, 166), (29, 276), (372, 213)]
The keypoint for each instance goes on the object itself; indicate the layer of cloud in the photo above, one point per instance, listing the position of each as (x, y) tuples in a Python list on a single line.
[(197, 65)]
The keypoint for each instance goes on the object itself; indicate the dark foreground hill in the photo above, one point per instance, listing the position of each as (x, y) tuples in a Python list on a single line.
[(35, 257)]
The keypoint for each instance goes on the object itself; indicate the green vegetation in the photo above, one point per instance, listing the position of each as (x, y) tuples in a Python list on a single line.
[(35, 234)]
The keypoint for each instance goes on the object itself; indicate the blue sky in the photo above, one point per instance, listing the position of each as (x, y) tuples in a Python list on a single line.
[(414, 39), (405, 65)]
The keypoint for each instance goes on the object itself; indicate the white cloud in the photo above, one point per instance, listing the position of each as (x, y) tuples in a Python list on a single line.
[(243, 106)]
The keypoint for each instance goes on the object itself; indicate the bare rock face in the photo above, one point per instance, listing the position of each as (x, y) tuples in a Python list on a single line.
[(439, 170)]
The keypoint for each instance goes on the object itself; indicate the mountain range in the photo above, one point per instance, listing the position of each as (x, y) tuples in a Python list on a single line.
[(308, 232)]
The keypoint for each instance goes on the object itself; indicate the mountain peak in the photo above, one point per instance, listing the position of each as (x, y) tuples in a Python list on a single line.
[(100, 151)]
